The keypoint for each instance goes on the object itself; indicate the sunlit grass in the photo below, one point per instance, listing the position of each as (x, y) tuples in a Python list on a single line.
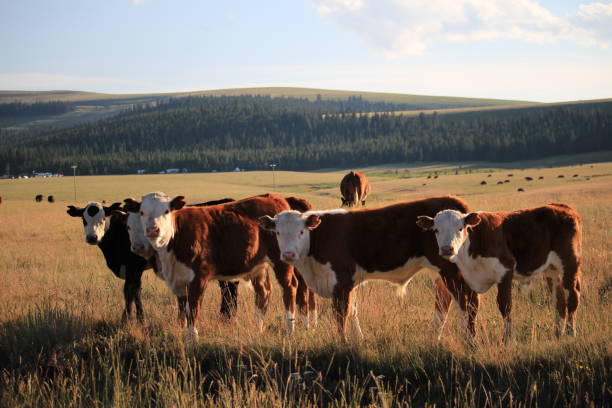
[(61, 343)]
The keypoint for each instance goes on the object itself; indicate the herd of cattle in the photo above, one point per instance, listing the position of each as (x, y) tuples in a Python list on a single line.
[(330, 253)]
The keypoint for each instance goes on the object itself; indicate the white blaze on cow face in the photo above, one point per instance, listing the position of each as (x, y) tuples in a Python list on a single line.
[(450, 227), (140, 245), (292, 230), (156, 219), (95, 223)]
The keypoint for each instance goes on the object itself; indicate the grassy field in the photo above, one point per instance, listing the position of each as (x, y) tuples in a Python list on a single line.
[(61, 343)]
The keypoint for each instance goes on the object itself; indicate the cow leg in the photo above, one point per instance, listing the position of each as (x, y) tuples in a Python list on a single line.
[(467, 299), (560, 302), (312, 308), (262, 287), (302, 301), (341, 304), (504, 302), (229, 299), (573, 301), (182, 307), (135, 278), (195, 291), (443, 304), (354, 315), (287, 280), (127, 296)]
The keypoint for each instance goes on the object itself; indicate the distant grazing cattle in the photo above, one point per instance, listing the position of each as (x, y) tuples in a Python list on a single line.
[(51, 199), (529, 178), (38, 198), (560, 176), (354, 189), (520, 190), (510, 175), (482, 183), (224, 242), (436, 176), (0, 199), (429, 176), (506, 181), (500, 182), (495, 247), (424, 184), (338, 250), (541, 178), (488, 175), (575, 175)]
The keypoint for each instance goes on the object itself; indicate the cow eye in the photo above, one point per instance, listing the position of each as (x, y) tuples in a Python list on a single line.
[(167, 211), (302, 232), (128, 227), (141, 213), (277, 233)]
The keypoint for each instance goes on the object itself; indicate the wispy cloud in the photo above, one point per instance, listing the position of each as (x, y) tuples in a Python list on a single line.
[(400, 28), (138, 2)]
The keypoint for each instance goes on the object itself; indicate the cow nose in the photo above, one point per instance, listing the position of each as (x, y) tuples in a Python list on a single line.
[(446, 250), (138, 248), (91, 239), (288, 256), (152, 232)]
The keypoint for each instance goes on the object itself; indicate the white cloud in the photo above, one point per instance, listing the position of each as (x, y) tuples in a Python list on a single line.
[(399, 28)]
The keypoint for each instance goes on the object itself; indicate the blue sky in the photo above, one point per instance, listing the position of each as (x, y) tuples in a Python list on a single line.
[(511, 49)]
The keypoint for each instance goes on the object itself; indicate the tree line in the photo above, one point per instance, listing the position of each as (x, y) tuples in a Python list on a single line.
[(221, 133), (22, 109)]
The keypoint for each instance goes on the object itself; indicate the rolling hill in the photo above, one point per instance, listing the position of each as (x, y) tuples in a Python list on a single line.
[(91, 106)]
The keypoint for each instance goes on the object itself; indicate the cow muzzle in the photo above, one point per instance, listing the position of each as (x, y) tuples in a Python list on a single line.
[(152, 232), (91, 239), (447, 251), (288, 256)]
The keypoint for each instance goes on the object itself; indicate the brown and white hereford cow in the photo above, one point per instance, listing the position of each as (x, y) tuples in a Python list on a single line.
[(495, 247), (338, 250), (223, 242), (354, 189)]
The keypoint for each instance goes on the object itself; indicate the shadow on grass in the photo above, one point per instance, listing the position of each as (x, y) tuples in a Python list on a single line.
[(52, 345)]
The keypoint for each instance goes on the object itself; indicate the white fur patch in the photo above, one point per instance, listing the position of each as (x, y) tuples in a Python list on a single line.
[(399, 276), (321, 279)]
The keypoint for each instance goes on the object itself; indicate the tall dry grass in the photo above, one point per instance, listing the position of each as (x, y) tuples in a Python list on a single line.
[(61, 343)]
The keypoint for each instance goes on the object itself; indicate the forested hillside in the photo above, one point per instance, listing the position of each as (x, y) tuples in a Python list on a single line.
[(206, 133)]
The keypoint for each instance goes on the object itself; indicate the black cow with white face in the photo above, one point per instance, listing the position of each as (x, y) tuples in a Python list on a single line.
[(109, 232)]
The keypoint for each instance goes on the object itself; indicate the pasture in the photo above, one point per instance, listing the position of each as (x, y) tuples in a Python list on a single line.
[(62, 344)]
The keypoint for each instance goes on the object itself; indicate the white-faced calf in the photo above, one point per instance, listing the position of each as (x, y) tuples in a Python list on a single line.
[(492, 248)]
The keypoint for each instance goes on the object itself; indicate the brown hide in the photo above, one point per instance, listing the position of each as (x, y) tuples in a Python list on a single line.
[(527, 236), (354, 188), (380, 239), (225, 239)]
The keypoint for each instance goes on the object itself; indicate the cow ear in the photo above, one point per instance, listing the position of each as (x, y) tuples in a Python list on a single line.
[(267, 223), (120, 215), (424, 222), (131, 205), (177, 203), (472, 219), (108, 211), (313, 221), (75, 212)]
